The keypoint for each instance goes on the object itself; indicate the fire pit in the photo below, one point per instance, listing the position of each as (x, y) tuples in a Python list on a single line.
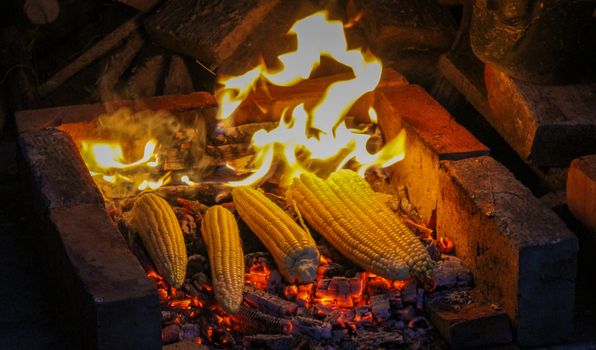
[(446, 189)]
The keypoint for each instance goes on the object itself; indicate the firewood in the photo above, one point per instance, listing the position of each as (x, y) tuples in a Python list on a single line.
[(178, 80), (207, 193), (269, 303), (230, 151), (242, 133), (106, 44), (581, 190), (208, 31), (115, 65), (146, 78)]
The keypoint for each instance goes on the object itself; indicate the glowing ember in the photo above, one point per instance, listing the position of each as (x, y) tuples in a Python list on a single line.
[(315, 140)]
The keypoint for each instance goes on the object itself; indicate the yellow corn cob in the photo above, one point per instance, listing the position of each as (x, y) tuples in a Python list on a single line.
[(352, 234), (292, 248), (154, 220), (221, 236), (356, 193)]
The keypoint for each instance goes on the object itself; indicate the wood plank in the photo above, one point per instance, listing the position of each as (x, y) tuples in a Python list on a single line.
[(35, 119), (546, 125), (188, 26), (581, 190), (106, 44)]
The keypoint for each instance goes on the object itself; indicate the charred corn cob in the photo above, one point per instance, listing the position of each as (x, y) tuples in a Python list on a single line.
[(356, 193), (221, 236), (292, 248), (155, 222), (348, 231)]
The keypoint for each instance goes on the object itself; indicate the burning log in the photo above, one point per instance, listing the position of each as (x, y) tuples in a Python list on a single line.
[(251, 320), (269, 303), (242, 133), (208, 193), (268, 341), (230, 151), (102, 47)]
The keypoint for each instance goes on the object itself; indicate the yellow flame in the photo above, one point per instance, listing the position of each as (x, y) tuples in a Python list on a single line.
[(317, 140), (106, 155), (372, 114)]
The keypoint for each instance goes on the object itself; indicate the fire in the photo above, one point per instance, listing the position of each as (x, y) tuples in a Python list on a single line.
[(107, 160), (315, 140)]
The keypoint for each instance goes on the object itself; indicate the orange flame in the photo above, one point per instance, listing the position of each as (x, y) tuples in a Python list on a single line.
[(316, 140)]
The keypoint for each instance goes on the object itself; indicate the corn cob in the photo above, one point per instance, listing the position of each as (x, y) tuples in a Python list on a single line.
[(355, 237), (155, 222), (356, 193), (292, 248), (221, 236)]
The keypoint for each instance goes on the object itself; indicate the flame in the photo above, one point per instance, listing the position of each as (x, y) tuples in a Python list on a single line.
[(106, 161), (315, 140)]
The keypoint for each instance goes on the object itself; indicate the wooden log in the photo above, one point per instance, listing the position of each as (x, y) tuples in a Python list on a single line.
[(188, 26), (581, 190), (115, 65), (521, 254), (106, 44), (178, 80), (546, 125), (145, 79)]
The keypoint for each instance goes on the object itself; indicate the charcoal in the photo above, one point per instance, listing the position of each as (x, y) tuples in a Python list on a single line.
[(380, 307), (252, 320), (311, 327), (420, 299), (419, 322), (170, 334), (267, 341), (375, 340), (450, 272), (190, 331), (269, 303), (406, 314), (274, 282), (197, 263), (408, 294)]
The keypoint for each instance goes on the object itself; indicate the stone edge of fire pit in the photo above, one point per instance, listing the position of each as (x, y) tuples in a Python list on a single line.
[(104, 293), (522, 255), (446, 171), (35, 119)]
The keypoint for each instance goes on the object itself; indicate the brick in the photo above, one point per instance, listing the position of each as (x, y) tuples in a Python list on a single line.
[(521, 254), (476, 324), (35, 119), (57, 172), (581, 190), (432, 135), (107, 301)]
